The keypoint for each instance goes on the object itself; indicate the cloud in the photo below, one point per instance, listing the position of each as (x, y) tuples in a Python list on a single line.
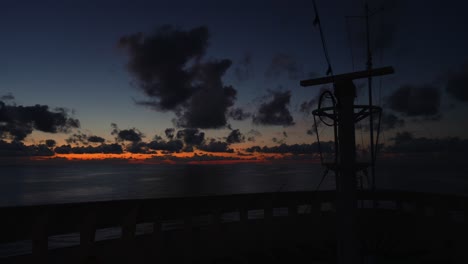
[(50, 143), (252, 135), (191, 136), (81, 138), (215, 146), (17, 122), (275, 111), (7, 97), (132, 135), (96, 139), (457, 85), (77, 138), (283, 63), (278, 141), (169, 133), (390, 121), (415, 101), (238, 114), (103, 148), (326, 147), (207, 108), (169, 146), (406, 142), (169, 69), (18, 149), (235, 137), (306, 107), (138, 147)]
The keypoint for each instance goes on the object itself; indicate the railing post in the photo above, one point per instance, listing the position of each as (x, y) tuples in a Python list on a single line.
[(88, 233), (244, 225), (158, 237), (188, 235), (216, 233), (268, 217), (40, 238), (128, 232)]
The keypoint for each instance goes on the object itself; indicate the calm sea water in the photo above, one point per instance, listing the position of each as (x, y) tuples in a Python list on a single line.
[(76, 183), (29, 185)]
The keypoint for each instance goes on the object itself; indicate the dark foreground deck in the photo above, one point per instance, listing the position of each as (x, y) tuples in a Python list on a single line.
[(285, 227)]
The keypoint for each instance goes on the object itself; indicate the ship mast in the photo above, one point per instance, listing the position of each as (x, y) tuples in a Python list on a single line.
[(345, 166)]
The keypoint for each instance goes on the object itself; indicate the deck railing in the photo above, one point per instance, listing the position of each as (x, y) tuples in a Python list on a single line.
[(38, 222)]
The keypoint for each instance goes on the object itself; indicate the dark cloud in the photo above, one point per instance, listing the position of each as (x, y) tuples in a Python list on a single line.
[(235, 137), (275, 111), (77, 138), (306, 107), (278, 140), (169, 69), (81, 138), (7, 97), (159, 62), (18, 149), (415, 101), (313, 130), (390, 121), (208, 106), (252, 135), (326, 147), (243, 69), (103, 148), (169, 146), (215, 146), (138, 147), (95, 139), (238, 114), (457, 85), (132, 135), (17, 122), (406, 142), (50, 143), (170, 132), (283, 63), (191, 136)]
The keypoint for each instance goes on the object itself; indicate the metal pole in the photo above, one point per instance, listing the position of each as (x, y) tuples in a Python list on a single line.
[(346, 198), (369, 79)]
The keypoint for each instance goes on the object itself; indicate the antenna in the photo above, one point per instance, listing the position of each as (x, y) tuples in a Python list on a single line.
[(345, 166)]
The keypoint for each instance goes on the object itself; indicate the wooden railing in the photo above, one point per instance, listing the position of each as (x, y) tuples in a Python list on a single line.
[(38, 222)]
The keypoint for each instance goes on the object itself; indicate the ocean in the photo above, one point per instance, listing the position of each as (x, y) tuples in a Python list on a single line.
[(51, 184), (29, 185)]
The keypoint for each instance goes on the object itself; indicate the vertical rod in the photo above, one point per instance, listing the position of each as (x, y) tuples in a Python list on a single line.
[(346, 193), (369, 79)]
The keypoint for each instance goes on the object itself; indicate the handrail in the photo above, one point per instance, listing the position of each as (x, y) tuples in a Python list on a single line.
[(38, 222)]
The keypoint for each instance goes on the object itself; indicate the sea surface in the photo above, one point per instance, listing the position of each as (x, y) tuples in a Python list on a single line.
[(52, 184)]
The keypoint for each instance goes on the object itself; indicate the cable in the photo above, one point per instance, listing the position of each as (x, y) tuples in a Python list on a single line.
[(320, 106), (324, 45)]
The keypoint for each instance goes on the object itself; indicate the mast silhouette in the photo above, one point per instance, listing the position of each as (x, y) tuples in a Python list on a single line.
[(345, 165)]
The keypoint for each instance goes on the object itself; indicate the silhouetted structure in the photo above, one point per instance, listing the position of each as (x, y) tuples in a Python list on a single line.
[(345, 167)]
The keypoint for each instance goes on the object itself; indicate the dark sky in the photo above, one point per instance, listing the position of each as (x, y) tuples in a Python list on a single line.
[(242, 60)]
